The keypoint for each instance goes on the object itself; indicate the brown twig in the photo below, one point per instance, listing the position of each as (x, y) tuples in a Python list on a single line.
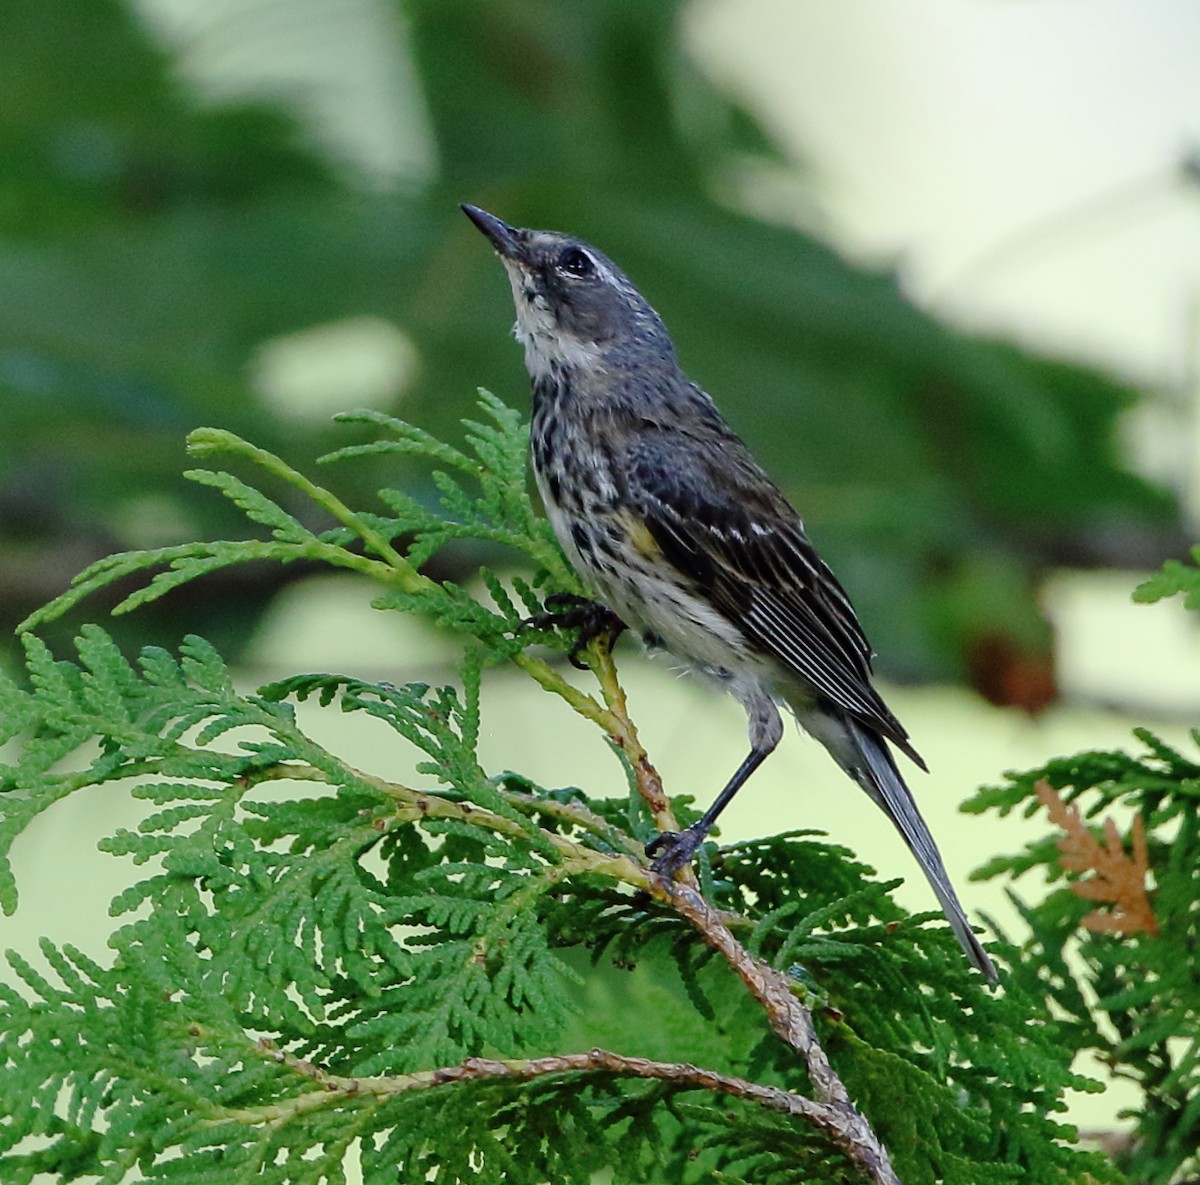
[(789, 1019), (414, 805), (625, 735), (792, 1022), (335, 1088)]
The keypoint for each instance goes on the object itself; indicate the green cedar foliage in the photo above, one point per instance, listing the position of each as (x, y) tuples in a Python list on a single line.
[(475, 981), (1129, 996)]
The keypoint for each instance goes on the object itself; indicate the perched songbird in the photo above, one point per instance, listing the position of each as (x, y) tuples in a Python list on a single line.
[(676, 530)]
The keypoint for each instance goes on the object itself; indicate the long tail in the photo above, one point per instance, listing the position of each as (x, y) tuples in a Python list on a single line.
[(872, 766)]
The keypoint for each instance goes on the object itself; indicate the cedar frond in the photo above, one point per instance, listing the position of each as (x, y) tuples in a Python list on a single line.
[(1119, 880)]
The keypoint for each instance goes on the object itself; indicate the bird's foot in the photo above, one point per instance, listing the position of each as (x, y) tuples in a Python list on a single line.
[(591, 620), (673, 849)]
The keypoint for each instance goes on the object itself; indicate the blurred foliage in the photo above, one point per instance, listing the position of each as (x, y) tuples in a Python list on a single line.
[(151, 240), (1113, 940)]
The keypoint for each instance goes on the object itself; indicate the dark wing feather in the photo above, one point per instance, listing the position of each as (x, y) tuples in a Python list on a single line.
[(722, 522)]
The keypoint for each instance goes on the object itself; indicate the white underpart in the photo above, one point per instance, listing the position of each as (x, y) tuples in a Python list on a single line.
[(702, 642), (693, 631), (546, 345)]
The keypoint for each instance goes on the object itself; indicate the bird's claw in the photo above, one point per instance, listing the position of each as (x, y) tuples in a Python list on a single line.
[(566, 611), (671, 850)]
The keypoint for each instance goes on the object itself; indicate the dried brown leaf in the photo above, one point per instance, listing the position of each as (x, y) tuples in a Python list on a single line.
[(1118, 880)]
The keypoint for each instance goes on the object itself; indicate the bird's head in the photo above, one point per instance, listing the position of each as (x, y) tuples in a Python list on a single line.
[(575, 308)]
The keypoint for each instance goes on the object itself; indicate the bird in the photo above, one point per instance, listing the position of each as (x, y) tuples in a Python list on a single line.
[(682, 537)]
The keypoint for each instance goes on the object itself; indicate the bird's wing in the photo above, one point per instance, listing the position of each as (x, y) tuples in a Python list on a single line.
[(722, 522)]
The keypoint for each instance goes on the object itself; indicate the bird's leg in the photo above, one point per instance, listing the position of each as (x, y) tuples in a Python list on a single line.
[(566, 611), (673, 849)]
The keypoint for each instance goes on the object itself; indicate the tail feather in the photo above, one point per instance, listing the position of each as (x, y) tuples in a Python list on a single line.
[(867, 759)]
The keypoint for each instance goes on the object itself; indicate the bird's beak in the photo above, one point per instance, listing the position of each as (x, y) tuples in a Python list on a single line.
[(503, 237)]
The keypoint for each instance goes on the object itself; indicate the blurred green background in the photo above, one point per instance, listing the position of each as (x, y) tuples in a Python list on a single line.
[(172, 254)]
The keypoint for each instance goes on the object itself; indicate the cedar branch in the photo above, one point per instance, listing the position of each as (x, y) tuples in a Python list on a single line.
[(333, 1089)]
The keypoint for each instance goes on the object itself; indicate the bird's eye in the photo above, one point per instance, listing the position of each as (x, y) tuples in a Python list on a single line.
[(574, 262)]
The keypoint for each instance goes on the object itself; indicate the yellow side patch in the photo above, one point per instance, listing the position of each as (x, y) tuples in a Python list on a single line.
[(640, 538)]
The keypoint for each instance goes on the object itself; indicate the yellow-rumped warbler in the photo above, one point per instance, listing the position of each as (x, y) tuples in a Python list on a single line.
[(676, 529)]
